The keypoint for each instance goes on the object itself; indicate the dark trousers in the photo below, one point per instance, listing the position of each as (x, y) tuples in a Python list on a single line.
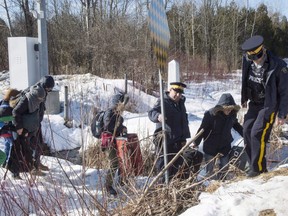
[(189, 161), (34, 140), (111, 153), (173, 169), (21, 156), (256, 132), (172, 150)]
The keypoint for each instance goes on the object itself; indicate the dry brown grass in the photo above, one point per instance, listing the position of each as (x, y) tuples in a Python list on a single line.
[(278, 172), (160, 199), (275, 138), (178, 195), (95, 157), (213, 187), (267, 212), (163, 200)]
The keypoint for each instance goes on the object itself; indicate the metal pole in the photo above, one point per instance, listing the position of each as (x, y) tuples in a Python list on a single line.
[(42, 38), (125, 77), (163, 128), (168, 165), (66, 113)]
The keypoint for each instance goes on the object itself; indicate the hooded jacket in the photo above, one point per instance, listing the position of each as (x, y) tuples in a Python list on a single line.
[(5, 110), (276, 87), (29, 110), (6, 118), (112, 117), (176, 122), (217, 127)]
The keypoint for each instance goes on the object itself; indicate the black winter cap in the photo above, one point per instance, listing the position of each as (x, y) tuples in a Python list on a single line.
[(47, 82), (252, 43), (118, 98)]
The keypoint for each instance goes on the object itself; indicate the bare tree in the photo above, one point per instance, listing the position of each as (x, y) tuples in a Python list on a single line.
[(4, 33), (110, 38), (28, 18), (5, 6)]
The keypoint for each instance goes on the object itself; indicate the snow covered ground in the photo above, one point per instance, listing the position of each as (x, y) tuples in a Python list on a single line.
[(61, 185)]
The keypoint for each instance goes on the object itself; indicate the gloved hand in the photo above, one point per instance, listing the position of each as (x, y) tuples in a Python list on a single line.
[(159, 118), (124, 132), (244, 105), (280, 121)]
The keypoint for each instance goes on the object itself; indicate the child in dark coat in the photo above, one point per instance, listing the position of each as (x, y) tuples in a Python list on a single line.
[(217, 124)]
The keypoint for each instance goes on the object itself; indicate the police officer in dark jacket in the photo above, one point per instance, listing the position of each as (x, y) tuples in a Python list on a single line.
[(176, 123), (264, 85), (217, 124)]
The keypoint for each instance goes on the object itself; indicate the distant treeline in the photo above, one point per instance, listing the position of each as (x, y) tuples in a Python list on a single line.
[(111, 38)]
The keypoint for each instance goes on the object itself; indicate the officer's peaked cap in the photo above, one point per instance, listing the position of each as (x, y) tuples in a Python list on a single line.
[(253, 44), (178, 86)]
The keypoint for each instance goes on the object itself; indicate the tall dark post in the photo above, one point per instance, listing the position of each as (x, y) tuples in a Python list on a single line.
[(125, 77)]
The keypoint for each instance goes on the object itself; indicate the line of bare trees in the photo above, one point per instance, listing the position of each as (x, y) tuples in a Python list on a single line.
[(110, 38)]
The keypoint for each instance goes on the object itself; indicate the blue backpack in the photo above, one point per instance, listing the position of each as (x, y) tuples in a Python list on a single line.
[(5, 112)]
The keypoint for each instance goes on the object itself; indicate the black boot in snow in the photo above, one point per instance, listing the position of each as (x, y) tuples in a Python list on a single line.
[(111, 190)]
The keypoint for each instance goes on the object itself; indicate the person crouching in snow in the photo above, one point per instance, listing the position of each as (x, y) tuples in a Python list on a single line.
[(217, 124)]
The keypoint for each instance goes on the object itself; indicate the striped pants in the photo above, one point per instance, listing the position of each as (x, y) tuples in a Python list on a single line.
[(258, 123)]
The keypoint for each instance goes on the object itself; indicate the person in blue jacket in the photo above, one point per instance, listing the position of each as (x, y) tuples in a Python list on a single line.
[(7, 128), (217, 138), (265, 93)]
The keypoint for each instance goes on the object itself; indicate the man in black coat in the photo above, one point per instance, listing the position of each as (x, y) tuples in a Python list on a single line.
[(28, 113), (264, 85), (217, 124), (176, 126)]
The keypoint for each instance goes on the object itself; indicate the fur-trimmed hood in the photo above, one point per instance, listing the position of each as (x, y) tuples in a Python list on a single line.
[(226, 101)]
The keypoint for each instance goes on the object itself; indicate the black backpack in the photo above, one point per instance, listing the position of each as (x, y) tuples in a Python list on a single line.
[(97, 124)]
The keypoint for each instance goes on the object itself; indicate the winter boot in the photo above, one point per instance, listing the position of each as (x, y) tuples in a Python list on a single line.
[(37, 172), (16, 176), (252, 173), (43, 167), (111, 190)]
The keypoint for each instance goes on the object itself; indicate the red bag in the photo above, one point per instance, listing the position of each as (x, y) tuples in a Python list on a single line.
[(106, 140), (129, 155)]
